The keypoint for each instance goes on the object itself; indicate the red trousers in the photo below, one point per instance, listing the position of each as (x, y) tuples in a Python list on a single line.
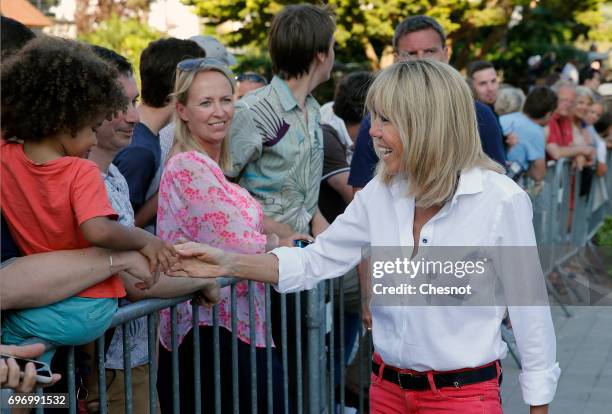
[(388, 398)]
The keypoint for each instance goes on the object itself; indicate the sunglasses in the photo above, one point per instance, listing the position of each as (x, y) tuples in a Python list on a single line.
[(251, 77), (189, 65)]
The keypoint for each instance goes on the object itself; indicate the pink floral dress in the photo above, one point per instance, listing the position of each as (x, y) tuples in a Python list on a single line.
[(197, 203)]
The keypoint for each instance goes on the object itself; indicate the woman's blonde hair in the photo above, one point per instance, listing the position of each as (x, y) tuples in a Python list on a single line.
[(183, 139), (509, 100), (432, 107), (584, 91)]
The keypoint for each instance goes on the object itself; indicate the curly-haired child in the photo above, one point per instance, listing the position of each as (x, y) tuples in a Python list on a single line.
[(55, 92)]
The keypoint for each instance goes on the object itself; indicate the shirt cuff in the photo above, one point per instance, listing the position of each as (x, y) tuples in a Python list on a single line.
[(539, 387), (290, 269)]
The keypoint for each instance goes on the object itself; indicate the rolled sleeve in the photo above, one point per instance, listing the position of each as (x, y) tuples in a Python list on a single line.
[(290, 270), (532, 325), (335, 251), (539, 387)]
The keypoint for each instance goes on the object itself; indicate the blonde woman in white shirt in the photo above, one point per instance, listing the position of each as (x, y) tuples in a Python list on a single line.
[(434, 187)]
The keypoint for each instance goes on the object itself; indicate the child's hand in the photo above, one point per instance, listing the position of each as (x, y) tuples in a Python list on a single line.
[(159, 253)]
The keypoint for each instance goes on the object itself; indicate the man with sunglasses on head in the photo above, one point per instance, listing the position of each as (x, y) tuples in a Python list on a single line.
[(141, 162), (247, 82)]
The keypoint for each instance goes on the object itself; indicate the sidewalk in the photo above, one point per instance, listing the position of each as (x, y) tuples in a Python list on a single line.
[(584, 352)]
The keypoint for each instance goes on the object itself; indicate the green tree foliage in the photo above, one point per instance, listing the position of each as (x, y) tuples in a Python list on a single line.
[(128, 37), (491, 29), (603, 237)]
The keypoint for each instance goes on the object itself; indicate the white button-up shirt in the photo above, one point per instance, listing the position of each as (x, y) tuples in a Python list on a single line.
[(487, 209)]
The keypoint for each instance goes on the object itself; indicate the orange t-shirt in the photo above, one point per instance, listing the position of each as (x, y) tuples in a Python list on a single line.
[(44, 205)]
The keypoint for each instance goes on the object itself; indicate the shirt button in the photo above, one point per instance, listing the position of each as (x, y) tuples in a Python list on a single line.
[(425, 241)]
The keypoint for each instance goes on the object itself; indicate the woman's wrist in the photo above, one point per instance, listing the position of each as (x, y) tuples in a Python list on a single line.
[(538, 409), (272, 241), (121, 260), (231, 265)]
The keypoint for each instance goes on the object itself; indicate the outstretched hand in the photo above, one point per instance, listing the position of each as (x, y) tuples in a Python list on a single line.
[(199, 260)]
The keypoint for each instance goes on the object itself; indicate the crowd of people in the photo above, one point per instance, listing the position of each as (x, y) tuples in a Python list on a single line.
[(113, 193)]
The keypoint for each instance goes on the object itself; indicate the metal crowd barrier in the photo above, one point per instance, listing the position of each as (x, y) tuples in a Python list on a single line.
[(316, 388)]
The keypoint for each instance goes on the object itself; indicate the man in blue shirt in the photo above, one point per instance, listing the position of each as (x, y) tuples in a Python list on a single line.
[(529, 152), (140, 162), (419, 37)]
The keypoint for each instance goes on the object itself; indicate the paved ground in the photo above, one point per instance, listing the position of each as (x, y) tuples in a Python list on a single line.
[(584, 351)]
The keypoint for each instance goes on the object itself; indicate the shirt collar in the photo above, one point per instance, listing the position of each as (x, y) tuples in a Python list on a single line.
[(470, 182), (286, 98)]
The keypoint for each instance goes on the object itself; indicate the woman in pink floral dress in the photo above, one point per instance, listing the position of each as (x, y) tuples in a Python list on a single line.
[(197, 203)]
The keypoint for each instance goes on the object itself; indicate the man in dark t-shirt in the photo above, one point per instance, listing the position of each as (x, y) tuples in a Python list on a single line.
[(331, 202), (140, 162), (340, 124)]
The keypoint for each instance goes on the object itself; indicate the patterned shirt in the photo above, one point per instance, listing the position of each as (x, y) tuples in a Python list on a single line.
[(197, 203), (277, 155), (119, 196)]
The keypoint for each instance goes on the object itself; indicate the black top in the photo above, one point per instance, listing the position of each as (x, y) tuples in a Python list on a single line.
[(331, 202)]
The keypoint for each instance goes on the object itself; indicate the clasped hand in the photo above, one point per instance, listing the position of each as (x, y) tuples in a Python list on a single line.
[(199, 260), (202, 260)]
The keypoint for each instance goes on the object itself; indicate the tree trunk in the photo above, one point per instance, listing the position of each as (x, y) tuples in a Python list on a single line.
[(371, 54)]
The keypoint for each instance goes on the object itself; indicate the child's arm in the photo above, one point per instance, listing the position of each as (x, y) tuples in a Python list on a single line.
[(104, 232)]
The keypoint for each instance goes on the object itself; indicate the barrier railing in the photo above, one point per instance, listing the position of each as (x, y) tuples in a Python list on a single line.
[(315, 381)]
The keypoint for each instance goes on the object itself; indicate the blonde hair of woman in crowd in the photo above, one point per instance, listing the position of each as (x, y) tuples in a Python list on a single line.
[(582, 103), (424, 126), (509, 100), (183, 139), (437, 144), (197, 202), (587, 93)]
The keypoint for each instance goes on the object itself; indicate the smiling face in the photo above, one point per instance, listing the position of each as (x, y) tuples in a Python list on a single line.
[(116, 134), (80, 144), (565, 100), (387, 142), (581, 107), (594, 112), (209, 110)]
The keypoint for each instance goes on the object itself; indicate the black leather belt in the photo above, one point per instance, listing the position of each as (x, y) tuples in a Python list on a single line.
[(418, 382)]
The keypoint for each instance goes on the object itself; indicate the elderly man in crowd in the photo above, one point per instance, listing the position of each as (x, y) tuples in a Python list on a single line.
[(560, 140)]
